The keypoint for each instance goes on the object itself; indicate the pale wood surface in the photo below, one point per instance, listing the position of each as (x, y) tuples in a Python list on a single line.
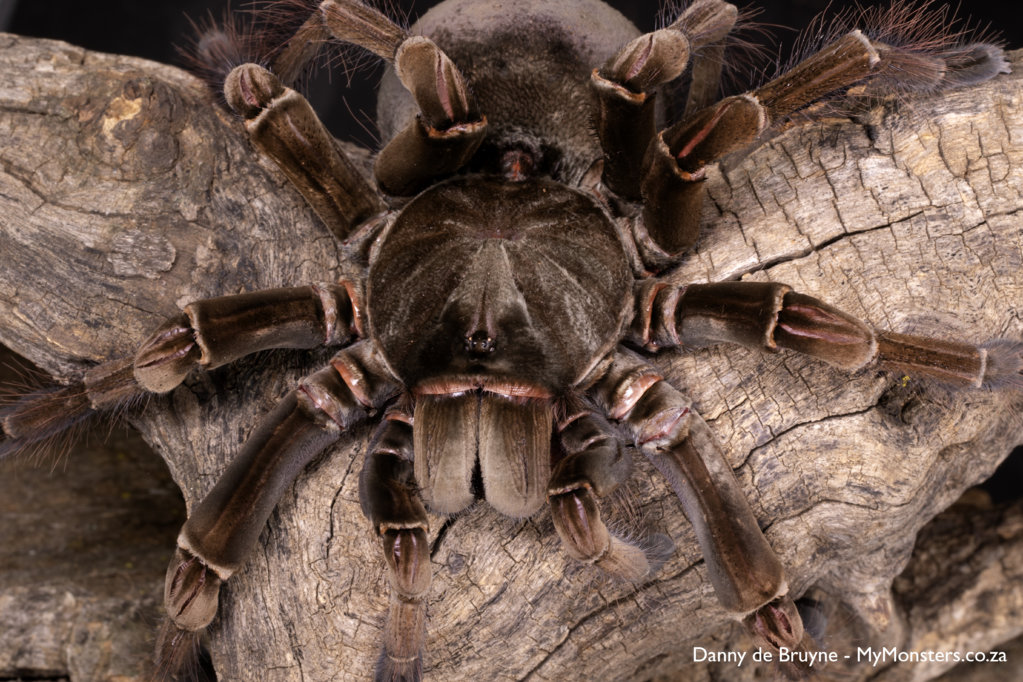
[(124, 195)]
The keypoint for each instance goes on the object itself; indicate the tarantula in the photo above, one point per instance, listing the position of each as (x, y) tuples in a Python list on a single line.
[(506, 291)]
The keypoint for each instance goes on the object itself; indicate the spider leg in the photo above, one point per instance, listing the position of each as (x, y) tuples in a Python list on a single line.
[(625, 86), (390, 500), (50, 413), (594, 463), (208, 333), (282, 124), (667, 170), (746, 573), (711, 22), (216, 331), (771, 316), (447, 131), (678, 159), (223, 528)]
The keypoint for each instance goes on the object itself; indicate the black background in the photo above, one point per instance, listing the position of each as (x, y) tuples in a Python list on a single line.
[(154, 28)]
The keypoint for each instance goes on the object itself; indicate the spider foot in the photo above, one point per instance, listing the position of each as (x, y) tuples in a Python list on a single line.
[(585, 536), (923, 46), (191, 595), (402, 657), (407, 552), (38, 419), (1004, 366), (48, 417), (177, 652)]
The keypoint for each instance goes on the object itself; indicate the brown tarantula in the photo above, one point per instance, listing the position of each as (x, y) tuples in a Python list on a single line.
[(530, 187)]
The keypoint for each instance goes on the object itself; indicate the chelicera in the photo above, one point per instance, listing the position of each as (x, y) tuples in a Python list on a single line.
[(509, 292)]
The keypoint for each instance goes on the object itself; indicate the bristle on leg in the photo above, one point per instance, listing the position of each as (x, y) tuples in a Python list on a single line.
[(219, 45), (49, 418), (404, 638), (177, 653), (1003, 368), (923, 47), (44, 419)]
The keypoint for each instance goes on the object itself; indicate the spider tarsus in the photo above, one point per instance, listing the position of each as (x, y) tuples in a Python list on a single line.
[(585, 537), (40, 417), (390, 669), (404, 635), (177, 653), (974, 64), (287, 36), (219, 45), (625, 560), (1004, 367), (44, 419), (658, 548), (925, 47)]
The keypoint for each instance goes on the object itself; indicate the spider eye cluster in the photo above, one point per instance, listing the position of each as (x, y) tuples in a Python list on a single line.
[(480, 343)]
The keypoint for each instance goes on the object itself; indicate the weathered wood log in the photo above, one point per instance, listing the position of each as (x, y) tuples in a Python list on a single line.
[(124, 194), (83, 543)]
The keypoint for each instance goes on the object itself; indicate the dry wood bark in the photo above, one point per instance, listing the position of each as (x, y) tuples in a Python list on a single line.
[(124, 194), (83, 543)]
